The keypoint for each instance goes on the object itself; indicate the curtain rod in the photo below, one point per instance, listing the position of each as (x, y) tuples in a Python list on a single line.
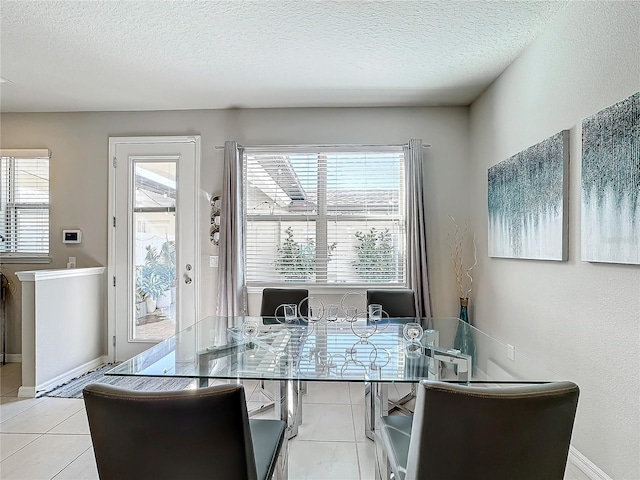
[(257, 147)]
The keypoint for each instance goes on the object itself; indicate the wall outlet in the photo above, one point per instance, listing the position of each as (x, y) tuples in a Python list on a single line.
[(511, 352), (213, 260)]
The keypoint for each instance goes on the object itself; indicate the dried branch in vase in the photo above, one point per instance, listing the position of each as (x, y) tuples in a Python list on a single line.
[(464, 279)]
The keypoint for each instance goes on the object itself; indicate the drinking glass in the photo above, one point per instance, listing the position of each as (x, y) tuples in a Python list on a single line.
[(412, 332), (350, 313), (290, 312), (375, 312), (332, 313), (315, 313)]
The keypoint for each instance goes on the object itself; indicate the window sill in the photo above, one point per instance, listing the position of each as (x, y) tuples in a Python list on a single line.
[(315, 289), (23, 259)]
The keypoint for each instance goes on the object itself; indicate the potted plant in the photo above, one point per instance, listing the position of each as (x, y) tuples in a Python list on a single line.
[(154, 278)]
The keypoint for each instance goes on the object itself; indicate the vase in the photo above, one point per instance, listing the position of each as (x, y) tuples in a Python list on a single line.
[(151, 305), (464, 336)]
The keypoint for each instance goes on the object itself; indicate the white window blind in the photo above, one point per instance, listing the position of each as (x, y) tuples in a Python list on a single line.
[(24, 203), (325, 215)]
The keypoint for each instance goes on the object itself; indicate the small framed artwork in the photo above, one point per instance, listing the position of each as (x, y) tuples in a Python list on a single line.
[(528, 204)]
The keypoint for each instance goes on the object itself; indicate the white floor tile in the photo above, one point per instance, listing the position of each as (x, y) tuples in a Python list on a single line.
[(326, 422), (45, 457), (12, 406), (42, 416), (77, 424), (356, 391), (323, 461), (82, 468), (10, 443), (10, 368), (366, 459), (358, 422), (327, 392), (10, 382)]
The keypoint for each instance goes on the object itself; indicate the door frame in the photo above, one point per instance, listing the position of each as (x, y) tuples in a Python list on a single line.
[(111, 244)]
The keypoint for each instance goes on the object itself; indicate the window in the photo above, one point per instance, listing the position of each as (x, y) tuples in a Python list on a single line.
[(329, 215), (24, 205)]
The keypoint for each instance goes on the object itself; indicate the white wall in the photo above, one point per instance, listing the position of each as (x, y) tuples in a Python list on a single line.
[(62, 326), (582, 319), (79, 142)]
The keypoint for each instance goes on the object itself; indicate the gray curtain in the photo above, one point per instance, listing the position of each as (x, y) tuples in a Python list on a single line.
[(232, 297), (417, 276)]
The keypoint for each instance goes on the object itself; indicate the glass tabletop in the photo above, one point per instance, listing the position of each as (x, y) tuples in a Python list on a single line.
[(389, 350)]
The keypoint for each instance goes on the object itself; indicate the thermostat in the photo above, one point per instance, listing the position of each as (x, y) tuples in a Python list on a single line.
[(71, 236)]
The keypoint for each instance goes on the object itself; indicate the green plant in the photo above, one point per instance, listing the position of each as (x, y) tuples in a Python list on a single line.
[(375, 256), (158, 272), (296, 262), (151, 281)]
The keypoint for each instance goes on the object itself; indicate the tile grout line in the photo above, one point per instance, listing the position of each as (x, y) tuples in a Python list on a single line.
[(67, 466), (25, 445)]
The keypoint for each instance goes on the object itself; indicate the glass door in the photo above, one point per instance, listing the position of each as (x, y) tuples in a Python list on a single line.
[(153, 243), (154, 250)]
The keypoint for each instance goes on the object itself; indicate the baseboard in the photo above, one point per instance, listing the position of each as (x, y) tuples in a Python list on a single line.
[(13, 357), (65, 377), (587, 467), (27, 392)]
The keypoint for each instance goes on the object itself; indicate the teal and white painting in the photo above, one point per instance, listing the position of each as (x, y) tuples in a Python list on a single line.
[(611, 184), (528, 202)]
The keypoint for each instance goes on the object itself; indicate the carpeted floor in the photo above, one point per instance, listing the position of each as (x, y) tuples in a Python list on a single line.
[(73, 388)]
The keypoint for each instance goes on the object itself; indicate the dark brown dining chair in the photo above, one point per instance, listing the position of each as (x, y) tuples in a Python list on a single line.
[(460, 432), (396, 302), (194, 434), (274, 298)]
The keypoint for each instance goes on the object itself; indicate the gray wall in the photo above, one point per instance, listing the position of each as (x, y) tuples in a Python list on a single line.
[(79, 170), (581, 319)]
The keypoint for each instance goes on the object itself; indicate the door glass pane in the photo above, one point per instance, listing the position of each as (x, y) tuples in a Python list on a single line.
[(154, 250)]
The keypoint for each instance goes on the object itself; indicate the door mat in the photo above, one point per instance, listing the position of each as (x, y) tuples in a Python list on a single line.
[(73, 388)]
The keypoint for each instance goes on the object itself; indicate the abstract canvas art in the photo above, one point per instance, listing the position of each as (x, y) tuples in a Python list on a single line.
[(528, 202), (611, 184)]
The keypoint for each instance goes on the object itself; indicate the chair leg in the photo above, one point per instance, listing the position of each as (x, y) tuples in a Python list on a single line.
[(282, 466)]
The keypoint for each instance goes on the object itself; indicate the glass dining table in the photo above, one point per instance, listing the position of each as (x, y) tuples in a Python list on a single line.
[(379, 354)]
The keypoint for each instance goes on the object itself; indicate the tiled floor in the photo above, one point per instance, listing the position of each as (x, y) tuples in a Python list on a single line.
[(48, 438)]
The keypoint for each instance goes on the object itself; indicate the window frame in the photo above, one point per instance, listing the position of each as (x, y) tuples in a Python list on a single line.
[(27, 257), (325, 217)]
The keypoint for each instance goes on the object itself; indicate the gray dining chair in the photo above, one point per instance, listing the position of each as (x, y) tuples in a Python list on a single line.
[(194, 434), (396, 302), (460, 432), (270, 307), (400, 306), (274, 298)]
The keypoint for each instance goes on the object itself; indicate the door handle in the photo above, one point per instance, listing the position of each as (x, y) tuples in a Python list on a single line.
[(187, 279)]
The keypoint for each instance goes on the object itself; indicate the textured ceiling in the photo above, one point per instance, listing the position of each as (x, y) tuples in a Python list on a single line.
[(151, 55)]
